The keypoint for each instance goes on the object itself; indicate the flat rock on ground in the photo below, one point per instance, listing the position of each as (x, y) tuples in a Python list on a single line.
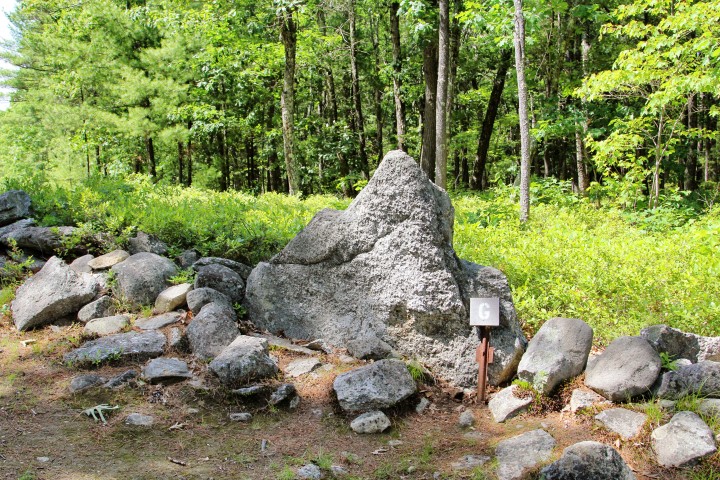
[(172, 298), (469, 462), (158, 321), (245, 359), (581, 398), (302, 366), (370, 422), (588, 461), (121, 346), (372, 387), (212, 330), (102, 307), (682, 441), (624, 422), (108, 260), (505, 405), (139, 420), (107, 325), (519, 454), (81, 383), (702, 378), (285, 394), (142, 277), (166, 370)]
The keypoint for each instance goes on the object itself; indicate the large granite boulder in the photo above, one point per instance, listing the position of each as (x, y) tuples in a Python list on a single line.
[(142, 277), (46, 240), (14, 205), (678, 344), (557, 352), (379, 385), (53, 293), (385, 269)]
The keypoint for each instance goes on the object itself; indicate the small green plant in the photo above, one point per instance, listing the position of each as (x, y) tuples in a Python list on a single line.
[(654, 412), (186, 275), (418, 372), (27, 475), (240, 310), (323, 460), (667, 361), (14, 270), (286, 473)]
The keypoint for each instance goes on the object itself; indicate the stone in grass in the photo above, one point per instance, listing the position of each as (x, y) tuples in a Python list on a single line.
[(588, 461), (252, 391), (301, 366), (172, 298), (536, 447), (581, 399), (370, 422), (702, 378), (382, 384), (102, 307), (709, 407), (242, 417), (505, 404), (121, 346), (81, 383), (139, 420), (624, 422), (158, 321), (108, 260), (166, 370), (285, 394), (121, 379), (212, 330), (469, 462), (309, 472), (142, 242), (245, 359), (467, 419), (682, 441), (107, 325)]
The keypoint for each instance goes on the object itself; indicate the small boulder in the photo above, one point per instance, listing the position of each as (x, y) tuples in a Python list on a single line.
[(187, 258), (709, 407), (557, 352), (701, 378), (172, 298), (627, 368), (158, 321), (199, 297), (678, 344), (102, 307), (242, 417), (14, 205), (368, 347), (504, 405), (139, 420), (245, 359), (382, 384), (46, 240), (240, 268), (580, 399), (177, 339), (108, 260), (143, 242), (142, 277), (470, 462), (370, 422), (212, 330), (588, 461), (85, 382), (121, 379), (310, 472), (467, 419), (106, 325), (166, 370), (301, 366), (285, 394), (80, 264), (222, 279), (683, 441), (55, 292), (624, 422), (121, 346), (519, 454)]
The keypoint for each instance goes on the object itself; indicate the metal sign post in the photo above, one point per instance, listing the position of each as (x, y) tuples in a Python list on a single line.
[(484, 313)]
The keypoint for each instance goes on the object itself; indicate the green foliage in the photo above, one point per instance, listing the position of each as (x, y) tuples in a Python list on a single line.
[(418, 372), (667, 362), (16, 268), (186, 275)]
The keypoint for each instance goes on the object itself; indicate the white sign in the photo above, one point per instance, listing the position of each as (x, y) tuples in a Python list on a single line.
[(485, 312)]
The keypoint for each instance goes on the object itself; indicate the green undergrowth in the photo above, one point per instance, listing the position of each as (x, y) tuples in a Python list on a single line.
[(619, 270)]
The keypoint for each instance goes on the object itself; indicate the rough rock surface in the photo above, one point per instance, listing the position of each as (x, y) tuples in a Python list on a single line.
[(302, 366), (240, 268), (370, 422), (139, 420), (557, 352), (709, 407), (627, 368), (505, 405), (14, 205), (222, 279), (187, 258), (166, 370), (212, 330), (536, 447), (80, 264), (81, 383), (285, 394), (131, 345), (158, 321), (121, 379), (102, 307), (624, 422), (468, 462), (242, 417), (700, 378), (46, 240), (55, 292), (679, 344), (108, 260), (172, 298), (372, 387), (199, 297), (580, 399), (143, 242), (310, 472), (588, 461), (142, 277), (107, 325), (245, 359), (466, 419), (682, 441), (385, 268)]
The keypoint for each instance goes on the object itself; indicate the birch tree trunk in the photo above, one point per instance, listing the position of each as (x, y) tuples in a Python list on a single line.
[(519, 42)]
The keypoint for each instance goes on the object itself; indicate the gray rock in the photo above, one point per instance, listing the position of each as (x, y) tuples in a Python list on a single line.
[(108, 260), (467, 419), (53, 293), (385, 268), (142, 277), (422, 405), (199, 297), (667, 405), (283, 343), (80, 264), (370, 422), (678, 344), (172, 298), (627, 368), (588, 461), (519, 454), (158, 321), (245, 359), (319, 345), (372, 387), (252, 391), (121, 379), (240, 268), (121, 346), (701, 378), (14, 205), (177, 339), (310, 472), (469, 462), (222, 279), (139, 420), (683, 441), (580, 399), (143, 242), (242, 417), (368, 348), (504, 405), (212, 330), (301, 366), (187, 258), (107, 325), (285, 393), (624, 422), (709, 407), (85, 382), (166, 370), (46, 240), (102, 307), (339, 471), (557, 352)]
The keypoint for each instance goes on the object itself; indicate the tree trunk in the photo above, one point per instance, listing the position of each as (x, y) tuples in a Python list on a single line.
[(357, 99), (288, 35), (180, 162), (441, 114), (489, 121), (691, 160), (583, 182), (188, 151), (378, 94), (427, 155), (519, 42), (397, 72), (151, 157)]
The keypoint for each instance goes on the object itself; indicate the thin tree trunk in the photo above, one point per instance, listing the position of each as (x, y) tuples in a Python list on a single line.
[(180, 162), (519, 41), (288, 35), (580, 160), (691, 160), (441, 114), (378, 94), (397, 72), (427, 155), (151, 157), (189, 158), (357, 99)]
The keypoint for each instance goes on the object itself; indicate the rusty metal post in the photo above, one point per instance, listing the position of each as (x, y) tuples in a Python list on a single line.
[(482, 356)]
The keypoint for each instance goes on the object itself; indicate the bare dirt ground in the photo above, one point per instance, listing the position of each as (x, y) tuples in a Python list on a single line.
[(193, 438)]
